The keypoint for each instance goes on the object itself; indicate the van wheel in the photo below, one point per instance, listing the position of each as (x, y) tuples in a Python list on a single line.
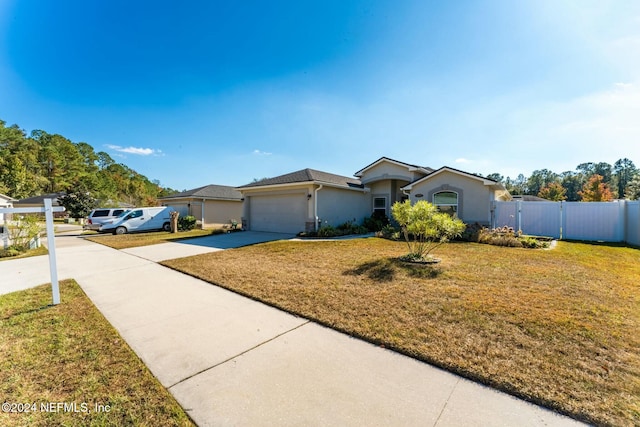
[(166, 226), (120, 230)]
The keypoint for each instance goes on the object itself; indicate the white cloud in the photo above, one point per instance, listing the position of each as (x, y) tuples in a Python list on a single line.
[(261, 153), (135, 150), (463, 160)]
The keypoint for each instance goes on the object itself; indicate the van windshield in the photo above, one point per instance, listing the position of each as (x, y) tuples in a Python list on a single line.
[(126, 211)]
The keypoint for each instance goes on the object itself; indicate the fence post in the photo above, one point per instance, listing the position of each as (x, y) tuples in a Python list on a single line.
[(494, 206), (518, 215), (561, 218)]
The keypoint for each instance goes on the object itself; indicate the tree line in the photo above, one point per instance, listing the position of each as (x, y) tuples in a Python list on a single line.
[(589, 182), (41, 163)]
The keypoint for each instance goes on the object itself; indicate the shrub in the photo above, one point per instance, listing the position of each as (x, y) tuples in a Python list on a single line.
[(376, 221), (424, 227), (389, 232), (11, 251), (328, 231), (507, 236), (186, 223), (471, 233)]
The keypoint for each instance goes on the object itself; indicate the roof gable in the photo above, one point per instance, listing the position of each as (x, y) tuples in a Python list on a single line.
[(7, 198), (485, 181), (409, 166), (307, 176)]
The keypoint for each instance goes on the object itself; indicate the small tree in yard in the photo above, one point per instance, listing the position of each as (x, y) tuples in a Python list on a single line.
[(78, 203), (425, 228), (23, 231)]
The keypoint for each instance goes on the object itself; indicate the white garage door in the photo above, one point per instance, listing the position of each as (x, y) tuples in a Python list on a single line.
[(281, 214)]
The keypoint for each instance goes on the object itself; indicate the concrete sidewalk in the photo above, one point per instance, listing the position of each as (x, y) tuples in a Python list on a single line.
[(229, 360)]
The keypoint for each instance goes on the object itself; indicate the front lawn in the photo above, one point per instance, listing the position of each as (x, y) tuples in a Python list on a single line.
[(557, 327), (66, 365), (144, 239)]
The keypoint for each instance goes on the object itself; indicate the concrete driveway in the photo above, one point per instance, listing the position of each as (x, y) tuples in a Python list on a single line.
[(202, 245)]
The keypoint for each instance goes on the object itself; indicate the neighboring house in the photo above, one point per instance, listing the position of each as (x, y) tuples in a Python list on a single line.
[(307, 199), (38, 201), (5, 202), (211, 205), (527, 198)]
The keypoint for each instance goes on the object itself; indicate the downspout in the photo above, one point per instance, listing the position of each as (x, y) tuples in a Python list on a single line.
[(315, 207), (202, 226)]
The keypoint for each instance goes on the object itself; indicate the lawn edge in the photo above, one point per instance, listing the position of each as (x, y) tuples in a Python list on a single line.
[(510, 390)]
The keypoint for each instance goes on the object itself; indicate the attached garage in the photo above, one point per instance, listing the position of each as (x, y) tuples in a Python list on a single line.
[(284, 213), (291, 203), (212, 205)]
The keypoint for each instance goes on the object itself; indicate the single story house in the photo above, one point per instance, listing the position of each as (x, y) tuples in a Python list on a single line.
[(211, 205), (38, 201), (5, 202), (307, 199)]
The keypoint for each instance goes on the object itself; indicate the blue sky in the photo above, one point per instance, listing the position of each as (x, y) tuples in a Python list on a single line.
[(201, 92)]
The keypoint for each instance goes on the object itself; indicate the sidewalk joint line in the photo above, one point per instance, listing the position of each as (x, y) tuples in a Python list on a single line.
[(240, 354), (446, 402)]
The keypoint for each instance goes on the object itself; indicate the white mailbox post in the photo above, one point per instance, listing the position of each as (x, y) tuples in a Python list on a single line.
[(48, 213)]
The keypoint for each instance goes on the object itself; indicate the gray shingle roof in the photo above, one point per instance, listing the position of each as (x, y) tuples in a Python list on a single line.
[(39, 200), (307, 175), (209, 192)]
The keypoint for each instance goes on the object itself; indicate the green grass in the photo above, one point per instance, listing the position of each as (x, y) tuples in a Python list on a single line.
[(557, 327), (29, 253), (70, 354), (144, 239)]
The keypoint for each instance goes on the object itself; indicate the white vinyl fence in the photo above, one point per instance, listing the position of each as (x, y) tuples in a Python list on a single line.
[(617, 221)]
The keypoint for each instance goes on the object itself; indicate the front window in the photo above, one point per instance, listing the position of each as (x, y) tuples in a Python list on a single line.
[(380, 206), (447, 202)]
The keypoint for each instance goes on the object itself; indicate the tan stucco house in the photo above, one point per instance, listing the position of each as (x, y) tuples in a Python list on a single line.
[(307, 199), (211, 205)]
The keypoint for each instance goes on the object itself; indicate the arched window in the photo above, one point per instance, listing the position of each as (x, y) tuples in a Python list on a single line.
[(447, 202)]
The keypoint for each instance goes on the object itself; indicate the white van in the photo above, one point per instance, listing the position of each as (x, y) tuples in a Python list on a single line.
[(140, 219), (99, 216)]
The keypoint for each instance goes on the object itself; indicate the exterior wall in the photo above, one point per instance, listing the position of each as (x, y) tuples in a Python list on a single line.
[(4, 203), (474, 198), (181, 207), (336, 206)]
